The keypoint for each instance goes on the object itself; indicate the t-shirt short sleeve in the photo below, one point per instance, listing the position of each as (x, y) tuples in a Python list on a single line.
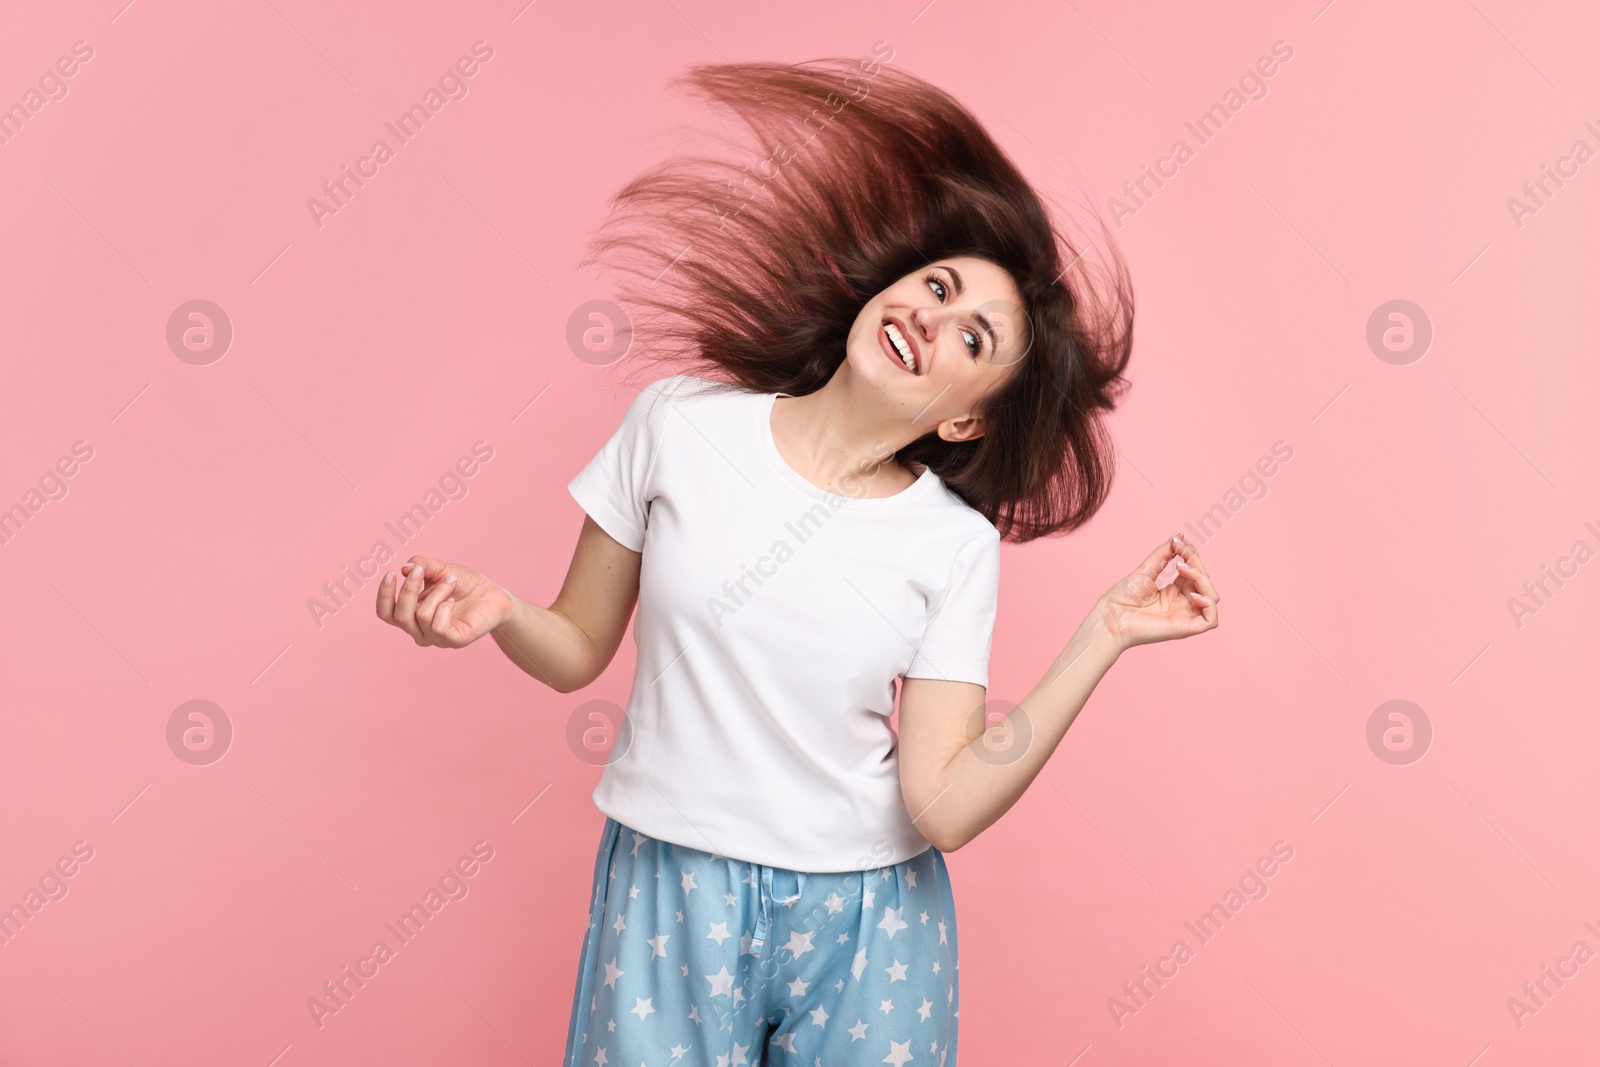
[(614, 487), (956, 642)]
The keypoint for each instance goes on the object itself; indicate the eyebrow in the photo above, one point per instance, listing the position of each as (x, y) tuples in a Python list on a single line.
[(983, 320)]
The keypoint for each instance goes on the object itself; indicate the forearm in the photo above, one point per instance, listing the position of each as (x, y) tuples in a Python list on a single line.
[(548, 646), (991, 773)]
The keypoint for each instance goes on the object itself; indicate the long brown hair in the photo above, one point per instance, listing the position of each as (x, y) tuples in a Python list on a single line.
[(760, 268)]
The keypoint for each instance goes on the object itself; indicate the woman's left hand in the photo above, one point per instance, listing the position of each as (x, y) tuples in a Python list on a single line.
[(1135, 612)]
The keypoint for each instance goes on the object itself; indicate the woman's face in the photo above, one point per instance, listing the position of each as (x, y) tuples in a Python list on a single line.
[(960, 321)]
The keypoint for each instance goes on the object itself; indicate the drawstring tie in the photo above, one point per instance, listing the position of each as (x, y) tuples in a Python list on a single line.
[(766, 896)]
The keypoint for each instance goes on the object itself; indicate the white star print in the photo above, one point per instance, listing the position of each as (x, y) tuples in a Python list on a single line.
[(886, 1006), (688, 882), (600, 1056), (867, 896), (858, 1032), (658, 945), (786, 1042), (612, 973), (897, 973), (611, 1026), (679, 1051), (935, 966), (719, 933), (619, 925), (643, 1007), (638, 839), (798, 987), (891, 922), (730, 899), (941, 933), (924, 918), (633, 891), (859, 965), (911, 879), (799, 944), (819, 1016), (899, 1053), (926, 1011), (835, 903), (721, 982)]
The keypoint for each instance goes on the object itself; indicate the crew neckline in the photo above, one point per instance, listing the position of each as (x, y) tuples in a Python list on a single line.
[(769, 448)]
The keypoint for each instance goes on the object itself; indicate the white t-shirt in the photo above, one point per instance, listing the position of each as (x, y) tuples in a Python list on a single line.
[(773, 618)]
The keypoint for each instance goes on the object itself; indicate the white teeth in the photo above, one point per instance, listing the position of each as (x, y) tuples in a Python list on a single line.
[(900, 346)]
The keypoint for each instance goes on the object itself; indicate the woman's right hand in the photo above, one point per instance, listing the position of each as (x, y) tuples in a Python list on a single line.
[(458, 607)]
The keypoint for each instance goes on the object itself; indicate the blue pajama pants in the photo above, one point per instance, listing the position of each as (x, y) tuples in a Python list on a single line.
[(697, 960)]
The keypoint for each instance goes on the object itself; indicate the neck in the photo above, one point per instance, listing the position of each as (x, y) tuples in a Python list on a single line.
[(839, 435)]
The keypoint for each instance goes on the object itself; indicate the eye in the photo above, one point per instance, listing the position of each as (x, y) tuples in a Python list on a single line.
[(976, 347)]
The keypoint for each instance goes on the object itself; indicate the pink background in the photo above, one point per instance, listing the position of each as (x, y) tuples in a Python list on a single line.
[(427, 314)]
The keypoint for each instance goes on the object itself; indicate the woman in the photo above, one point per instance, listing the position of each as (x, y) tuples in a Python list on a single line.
[(901, 375)]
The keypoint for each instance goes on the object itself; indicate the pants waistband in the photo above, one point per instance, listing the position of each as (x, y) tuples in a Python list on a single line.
[(774, 885)]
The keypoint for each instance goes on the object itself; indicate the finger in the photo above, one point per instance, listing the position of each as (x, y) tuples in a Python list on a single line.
[(1157, 560), (433, 570), (430, 602), (1191, 555), (443, 623), (386, 597), (1206, 606), (1200, 579), (405, 605)]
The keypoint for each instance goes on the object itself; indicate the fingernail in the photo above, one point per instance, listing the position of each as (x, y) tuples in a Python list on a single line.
[(388, 576), (450, 580)]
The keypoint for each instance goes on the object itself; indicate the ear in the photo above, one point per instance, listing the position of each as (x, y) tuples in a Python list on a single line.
[(966, 428)]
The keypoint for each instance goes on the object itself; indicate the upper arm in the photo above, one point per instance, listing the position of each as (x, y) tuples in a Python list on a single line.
[(937, 720), (599, 591)]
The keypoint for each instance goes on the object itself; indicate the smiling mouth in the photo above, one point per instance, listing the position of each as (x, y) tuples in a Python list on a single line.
[(898, 348)]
